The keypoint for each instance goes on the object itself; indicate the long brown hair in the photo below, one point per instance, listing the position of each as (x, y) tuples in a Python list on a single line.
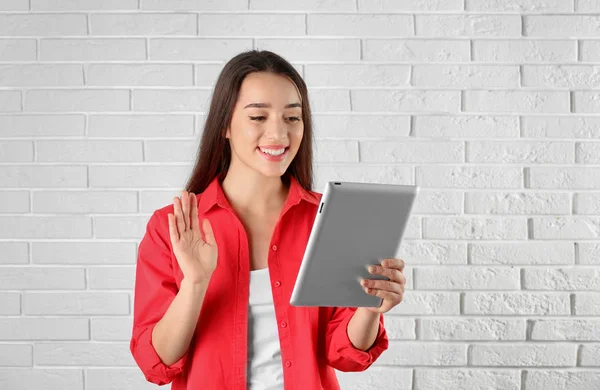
[(214, 151)]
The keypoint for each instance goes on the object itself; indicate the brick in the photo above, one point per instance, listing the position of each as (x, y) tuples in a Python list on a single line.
[(465, 76), (590, 355), (38, 24), (140, 75), (559, 329), (253, 24), (317, 75), (524, 51), (35, 125), (13, 253), (86, 253), (468, 25), (517, 203), (411, 151), (194, 5), (42, 379), (96, 49), (425, 354), (467, 379), (108, 278), (84, 202), (473, 329), (143, 24), (558, 355), (565, 227), (409, 5), (560, 25), (16, 355), (563, 127), (368, 24), (140, 125), (516, 101), (16, 151), (77, 100), (404, 100), (516, 303), (587, 303), (555, 279), (466, 278), (520, 152), (466, 126), (30, 328), (112, 328), (307, 5), (10, 305), (418, 50), (42, 278), (531, 253), (562, 379), (313, 49), (83, 5), (17, 49), (428, 303), (518, 6), (72, 304), (83, 354)]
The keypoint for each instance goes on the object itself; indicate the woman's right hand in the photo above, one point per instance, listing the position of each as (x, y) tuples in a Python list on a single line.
[(197, 257)]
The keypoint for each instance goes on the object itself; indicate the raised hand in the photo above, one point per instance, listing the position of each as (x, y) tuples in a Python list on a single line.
[(197, 256)]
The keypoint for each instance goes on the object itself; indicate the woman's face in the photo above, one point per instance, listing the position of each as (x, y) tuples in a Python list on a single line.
[(267, 115)]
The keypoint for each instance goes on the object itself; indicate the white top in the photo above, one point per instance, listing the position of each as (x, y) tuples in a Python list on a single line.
[(264, 371)]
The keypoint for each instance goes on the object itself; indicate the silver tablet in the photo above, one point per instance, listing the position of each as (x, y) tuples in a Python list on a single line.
[(357, 224)]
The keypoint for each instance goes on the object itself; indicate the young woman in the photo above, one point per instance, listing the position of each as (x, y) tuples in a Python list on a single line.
[(211, 301)]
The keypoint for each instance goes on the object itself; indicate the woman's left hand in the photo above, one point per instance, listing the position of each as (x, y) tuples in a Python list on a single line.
[(390, 290)]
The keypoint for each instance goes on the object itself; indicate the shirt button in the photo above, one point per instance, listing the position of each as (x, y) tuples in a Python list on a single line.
[(283, 324), (274, 247), (288, 363), (277, 283)]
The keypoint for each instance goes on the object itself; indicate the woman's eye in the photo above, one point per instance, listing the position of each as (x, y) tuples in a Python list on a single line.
[(292, 118)]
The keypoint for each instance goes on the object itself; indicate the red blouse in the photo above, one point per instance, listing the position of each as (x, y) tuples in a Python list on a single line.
[(313, 340)]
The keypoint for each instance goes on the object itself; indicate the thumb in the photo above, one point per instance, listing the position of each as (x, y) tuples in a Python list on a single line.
[(208, 232)]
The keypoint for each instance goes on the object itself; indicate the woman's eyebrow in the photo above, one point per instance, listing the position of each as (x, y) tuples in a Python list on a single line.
[(268, 105)]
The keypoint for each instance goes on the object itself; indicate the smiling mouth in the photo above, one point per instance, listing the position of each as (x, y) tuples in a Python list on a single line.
[(274, 155)]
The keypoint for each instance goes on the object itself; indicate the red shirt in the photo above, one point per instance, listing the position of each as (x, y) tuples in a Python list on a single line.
[(313, 340)]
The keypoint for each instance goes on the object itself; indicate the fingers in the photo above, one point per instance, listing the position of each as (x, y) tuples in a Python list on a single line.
[(393, 263), (392, 273), (178, 214), (208, 233), (172, 228), (392, 296), (194, 211), (185, 203), (386, 285)]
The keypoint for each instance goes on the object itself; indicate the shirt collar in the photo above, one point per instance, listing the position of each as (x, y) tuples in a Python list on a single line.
[(214, 195)]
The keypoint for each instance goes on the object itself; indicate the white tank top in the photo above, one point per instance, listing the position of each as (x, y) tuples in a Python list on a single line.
[(264, 371)]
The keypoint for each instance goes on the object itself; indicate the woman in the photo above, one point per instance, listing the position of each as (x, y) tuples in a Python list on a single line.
[(211, 303)]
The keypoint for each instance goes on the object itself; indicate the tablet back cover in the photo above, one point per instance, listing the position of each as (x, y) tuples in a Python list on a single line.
[(357, 224)]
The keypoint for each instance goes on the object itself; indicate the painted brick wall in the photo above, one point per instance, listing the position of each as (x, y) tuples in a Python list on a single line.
[(490, 106)]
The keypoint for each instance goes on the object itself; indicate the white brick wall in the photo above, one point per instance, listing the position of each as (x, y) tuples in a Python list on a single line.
[(491, 106)]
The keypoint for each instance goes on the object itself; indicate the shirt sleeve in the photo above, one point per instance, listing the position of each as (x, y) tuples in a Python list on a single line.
[(155, 289), (341, 353)]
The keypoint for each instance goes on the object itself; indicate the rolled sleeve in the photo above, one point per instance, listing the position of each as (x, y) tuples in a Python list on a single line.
[(341, 353), (155, 288), (148, 360)]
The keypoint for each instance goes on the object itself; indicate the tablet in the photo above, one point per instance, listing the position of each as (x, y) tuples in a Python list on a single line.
[(357, 224)]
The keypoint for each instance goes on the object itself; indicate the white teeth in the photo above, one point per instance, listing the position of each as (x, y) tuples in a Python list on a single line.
[(272, 152)]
